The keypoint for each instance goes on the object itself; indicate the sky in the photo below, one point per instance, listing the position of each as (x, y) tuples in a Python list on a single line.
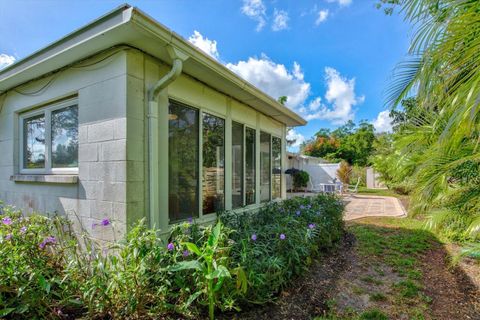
[(332, 58)]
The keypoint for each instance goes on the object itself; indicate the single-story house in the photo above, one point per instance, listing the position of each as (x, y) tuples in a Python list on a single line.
[(124, 119)]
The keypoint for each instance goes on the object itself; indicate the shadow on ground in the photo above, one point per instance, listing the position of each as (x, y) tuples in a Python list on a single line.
[(385, 265)]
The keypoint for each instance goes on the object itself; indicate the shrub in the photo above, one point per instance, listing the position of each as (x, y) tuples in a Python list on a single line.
[(300, 179), (32, 273), (48, 272), (276, 243), (344, 172)]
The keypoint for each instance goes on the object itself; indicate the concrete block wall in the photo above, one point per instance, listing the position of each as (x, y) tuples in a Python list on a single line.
[(105, 164)]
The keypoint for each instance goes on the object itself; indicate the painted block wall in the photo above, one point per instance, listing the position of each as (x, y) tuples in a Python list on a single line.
[(102, 185)]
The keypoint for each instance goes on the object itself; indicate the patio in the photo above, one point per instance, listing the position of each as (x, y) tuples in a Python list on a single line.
[(362, 206)]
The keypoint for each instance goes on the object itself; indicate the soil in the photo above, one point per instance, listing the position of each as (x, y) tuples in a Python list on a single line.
[(345, 282), (454, 294), (308, 295)]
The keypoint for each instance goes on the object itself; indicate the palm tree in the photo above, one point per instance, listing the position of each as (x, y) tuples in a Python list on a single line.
[(443, 142)]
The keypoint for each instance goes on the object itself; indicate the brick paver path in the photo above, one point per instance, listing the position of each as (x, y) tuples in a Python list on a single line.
[(361, 206)]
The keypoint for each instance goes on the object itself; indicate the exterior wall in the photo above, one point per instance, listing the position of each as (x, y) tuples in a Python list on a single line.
[(102, 179), (143, 72), (113, 151)]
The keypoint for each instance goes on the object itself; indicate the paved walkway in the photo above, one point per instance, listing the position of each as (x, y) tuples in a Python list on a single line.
[(362, 206)]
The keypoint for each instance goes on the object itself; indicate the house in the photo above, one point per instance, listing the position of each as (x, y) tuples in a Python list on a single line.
[(124, 119), (321, 172)]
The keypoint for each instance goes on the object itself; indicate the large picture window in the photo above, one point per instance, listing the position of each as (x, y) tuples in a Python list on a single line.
[(49, 139), (183, 161), (276, 168), (250, 160), (213, 164), (265, 167), (237, 165)]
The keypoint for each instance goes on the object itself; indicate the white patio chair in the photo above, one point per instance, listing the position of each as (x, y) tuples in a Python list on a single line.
[(354, 190)]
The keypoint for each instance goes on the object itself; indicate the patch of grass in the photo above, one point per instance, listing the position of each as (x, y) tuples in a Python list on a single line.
[(373, 314), (377, 296), (408, 289), (358, 290)]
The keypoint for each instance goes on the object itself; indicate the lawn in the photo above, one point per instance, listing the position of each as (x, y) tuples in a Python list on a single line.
[(398, 270)]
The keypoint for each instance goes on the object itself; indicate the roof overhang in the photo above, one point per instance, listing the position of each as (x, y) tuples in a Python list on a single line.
[(127, 25)]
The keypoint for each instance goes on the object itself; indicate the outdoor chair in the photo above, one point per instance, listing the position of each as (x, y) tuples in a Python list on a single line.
[(355, 189)]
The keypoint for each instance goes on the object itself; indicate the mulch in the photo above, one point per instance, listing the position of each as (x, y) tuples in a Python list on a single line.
[(308, 295), (453, 293)]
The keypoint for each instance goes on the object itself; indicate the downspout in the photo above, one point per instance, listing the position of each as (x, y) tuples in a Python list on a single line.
[(153, 136)]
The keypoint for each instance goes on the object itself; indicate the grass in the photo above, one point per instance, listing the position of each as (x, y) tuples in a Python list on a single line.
[(390, 252)]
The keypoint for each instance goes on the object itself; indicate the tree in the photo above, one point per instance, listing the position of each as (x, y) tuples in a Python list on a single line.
[(438, 137), (349, 142)]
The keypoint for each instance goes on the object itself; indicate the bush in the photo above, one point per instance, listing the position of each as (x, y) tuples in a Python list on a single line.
[(277, 243), (300, 179), (244, 258), (344, 172)]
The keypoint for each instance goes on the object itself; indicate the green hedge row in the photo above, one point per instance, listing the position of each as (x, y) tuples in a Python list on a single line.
[(244, 258)]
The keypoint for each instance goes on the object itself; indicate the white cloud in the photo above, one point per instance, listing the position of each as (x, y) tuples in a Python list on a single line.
[(383, 122), (294, 135), (275, 79), (256, 10), (203, 43), (315, 104), (6, 60), (341, 97), (322, 16), (280, 20), (341, 3)]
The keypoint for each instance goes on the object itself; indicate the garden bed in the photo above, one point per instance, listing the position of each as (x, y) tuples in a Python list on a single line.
[(245, 259)]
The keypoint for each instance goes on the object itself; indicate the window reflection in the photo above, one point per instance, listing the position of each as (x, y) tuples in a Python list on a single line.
[(213, 164), (237, 165), (250, 141), (276, 167), (34, 142), (265, 165), (65, 137), (183, 164)]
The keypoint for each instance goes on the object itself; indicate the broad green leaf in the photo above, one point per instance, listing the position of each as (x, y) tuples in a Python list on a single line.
[(220, 272), (186, 265), (6, 311), (193, 248)]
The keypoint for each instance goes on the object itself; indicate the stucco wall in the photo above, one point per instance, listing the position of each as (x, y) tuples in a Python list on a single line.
[(101, 190)]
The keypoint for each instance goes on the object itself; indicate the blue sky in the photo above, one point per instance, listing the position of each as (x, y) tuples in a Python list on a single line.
[(332, 58)]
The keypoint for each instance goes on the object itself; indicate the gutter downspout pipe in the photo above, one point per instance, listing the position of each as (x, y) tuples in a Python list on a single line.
[(154, 92)]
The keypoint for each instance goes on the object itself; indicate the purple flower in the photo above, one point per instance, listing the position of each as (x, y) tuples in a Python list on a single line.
[(170, 246), (298, 212), (23, 229), (51, 240), (8, 236), (309, 207), (311, 226), (302, 207), (105, 222), (190, 220), (186, 253), (282, 236), (7, 221), (254, 237)]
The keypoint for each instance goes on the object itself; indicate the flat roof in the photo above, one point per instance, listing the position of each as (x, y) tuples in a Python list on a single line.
[(127, 25)]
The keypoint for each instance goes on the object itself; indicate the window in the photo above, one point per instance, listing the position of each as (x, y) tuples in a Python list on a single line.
[(276, 168), (183, 161), (265, 165), (237, 165), (250, 159), (213, 164), (49, 139)]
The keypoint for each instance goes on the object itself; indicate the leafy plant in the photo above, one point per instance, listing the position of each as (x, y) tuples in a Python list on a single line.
[(212, 265), (344, 172), (300, 179)]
